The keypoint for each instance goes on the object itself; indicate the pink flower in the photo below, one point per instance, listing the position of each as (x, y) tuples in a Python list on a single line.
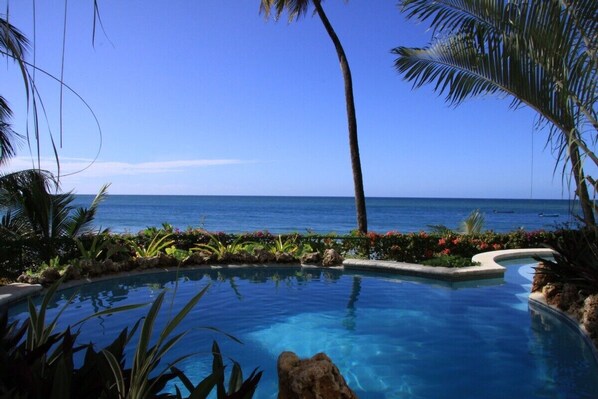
[(442, 242)]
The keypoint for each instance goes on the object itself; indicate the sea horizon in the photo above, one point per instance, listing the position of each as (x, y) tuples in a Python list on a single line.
[(321, 214)]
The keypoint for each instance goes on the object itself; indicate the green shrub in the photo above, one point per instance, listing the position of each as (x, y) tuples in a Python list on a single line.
[(450, 261), (37, 361)]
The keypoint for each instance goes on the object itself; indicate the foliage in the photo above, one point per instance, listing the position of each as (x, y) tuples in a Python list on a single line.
[(472, 224), (450, 261), (38, 362), (542, 53), (221, 248), (157, 243), (179, 254), (101, 246), (288, 246), (575, 260), (41, 221)]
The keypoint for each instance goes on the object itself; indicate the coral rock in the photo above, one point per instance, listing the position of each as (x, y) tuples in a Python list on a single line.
[(71, 272), (541, 278), (332, 258), (315, 378), (48, 276), (264, 256), (589, 317), (284, 257), (311, 258)]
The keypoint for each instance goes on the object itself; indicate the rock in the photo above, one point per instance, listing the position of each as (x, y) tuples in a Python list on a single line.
[(551, 291), (311, 258), (589, 318), (71, 272), (147, 263), (541, 278), (264, 256), (315, 378), (569, 298), (166, 260), (111, 266), (198, 258), (48, 276), (285, 257), (331, 258), (243, 257), (28, 279)]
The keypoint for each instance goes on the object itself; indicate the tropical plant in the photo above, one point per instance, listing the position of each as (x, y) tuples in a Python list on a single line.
[(450, 261), (179, 254), (296, 9), (100, 246), (42, 221), (472, 224), (288, 246), (575, 260), (158, 242), (13, 45), (542, 53), (38, 362), (221, 249)]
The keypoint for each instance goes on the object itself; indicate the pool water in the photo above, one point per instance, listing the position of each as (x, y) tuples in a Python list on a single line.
[(390, 336)]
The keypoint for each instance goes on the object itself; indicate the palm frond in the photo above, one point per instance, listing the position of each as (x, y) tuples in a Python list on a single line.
[(294, 8)]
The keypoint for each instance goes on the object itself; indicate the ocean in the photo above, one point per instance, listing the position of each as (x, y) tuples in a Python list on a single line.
[(235, 214)]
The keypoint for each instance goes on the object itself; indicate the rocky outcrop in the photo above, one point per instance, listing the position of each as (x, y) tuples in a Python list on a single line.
[(332, 258), (568, 298), (589, 317), (315, 378), (312, 258), (541, 278)]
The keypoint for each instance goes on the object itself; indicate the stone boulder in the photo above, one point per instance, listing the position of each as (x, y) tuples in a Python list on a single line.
[(199, 258), (49, 276), (589, 318), (312, 258), (285, 257), (332, 258), (71, 272), (315, 378), (264, 256), (541, 278)]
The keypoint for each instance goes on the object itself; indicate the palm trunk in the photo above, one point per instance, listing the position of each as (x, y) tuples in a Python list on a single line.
[(587, 207), (362, 223)]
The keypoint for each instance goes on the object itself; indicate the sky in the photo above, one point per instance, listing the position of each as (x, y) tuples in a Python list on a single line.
[(210, 98)]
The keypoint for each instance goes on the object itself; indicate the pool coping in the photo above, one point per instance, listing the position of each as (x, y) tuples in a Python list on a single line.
[(488, 269)]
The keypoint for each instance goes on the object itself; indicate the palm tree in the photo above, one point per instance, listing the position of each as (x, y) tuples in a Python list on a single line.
[(39, 219), (295, 10), (12, 45), (542, 53)]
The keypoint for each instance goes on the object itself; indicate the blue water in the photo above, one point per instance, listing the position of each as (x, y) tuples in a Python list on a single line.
[(131, 213), (391, 337)]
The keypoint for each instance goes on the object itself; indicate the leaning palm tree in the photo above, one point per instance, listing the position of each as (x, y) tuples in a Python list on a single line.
[(542, 53), (296, 9)]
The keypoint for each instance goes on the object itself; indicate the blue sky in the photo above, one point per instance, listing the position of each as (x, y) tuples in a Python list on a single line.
[(209, 98)]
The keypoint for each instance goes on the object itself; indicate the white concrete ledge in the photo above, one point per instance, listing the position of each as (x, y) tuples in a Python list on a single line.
[(434, 272), (14, 292), (491, 258)]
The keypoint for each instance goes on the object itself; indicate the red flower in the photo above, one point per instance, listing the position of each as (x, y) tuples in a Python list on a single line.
[(496, 247), (456, 241), (441, 242), (483, 245), (446, 251)]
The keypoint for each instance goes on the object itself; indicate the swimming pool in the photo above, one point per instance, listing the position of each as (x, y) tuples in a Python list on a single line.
[(390, 336)]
